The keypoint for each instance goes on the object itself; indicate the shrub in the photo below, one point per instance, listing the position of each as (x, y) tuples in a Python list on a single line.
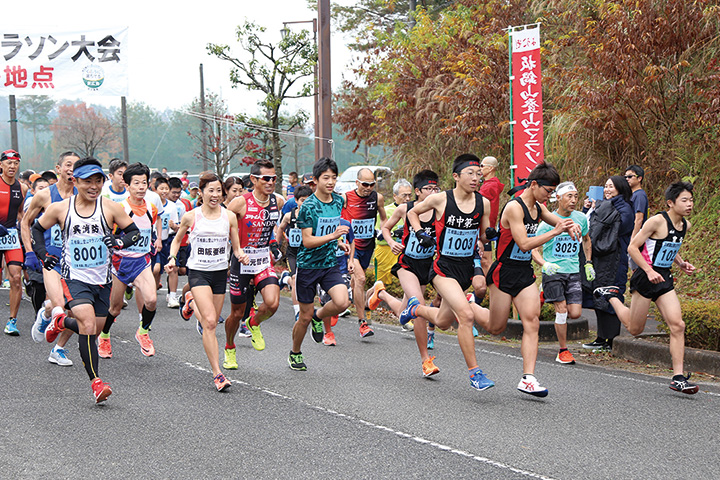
[(702, 323)]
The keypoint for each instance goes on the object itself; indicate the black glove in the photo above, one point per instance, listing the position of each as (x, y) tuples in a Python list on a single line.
[(275, 250), (491, 233), (50, 261), (425, 239), (3, 230), (111, 242), (397, 233)]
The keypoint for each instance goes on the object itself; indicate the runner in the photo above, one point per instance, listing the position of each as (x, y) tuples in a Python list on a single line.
[(345, 250), (170, 221), (360, 207), (209, 228), (319, 219), (132, 265), (461, 214), (114, 188), (414, 264), (560, 262), (511, 279), (258, 213), (85, 220), (662, 235), (12, 194), (64, 188)]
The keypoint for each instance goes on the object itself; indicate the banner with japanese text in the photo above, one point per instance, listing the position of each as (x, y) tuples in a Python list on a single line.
[(527, 112), (71, 64)]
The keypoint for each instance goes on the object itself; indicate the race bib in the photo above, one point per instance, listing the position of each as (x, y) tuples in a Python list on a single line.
[(459, 243), (165, 218), (295, 237), (56, 236), (519, 255), (259, 260), (413, 249), (143, 244), (364, 228), (327, 225), (667, 254), (87, 252), (11, 241), (565, 247)]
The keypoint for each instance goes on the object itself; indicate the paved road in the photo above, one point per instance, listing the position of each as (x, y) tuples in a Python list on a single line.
[(362, 410)]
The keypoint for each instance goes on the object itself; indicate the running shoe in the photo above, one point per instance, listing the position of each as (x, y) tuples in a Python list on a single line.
[(410, 311), (470, 297), (565, 357), (333, 320), (129, 292), (37, 332), (428, 367), (408, 327), (221, 383), (431, 340), (104, 347), (221, 319), (284, 277), (680, 383), (198, 327), (329, 339), (475, 332), (297, 362), (146, 345), (53, 329), (11, 327), (345, 313), (607, 292), (374, 301), (258, 342), (365, 330), (316, 327), (597, 343), (479, 381), (58, 356), (529, 384), (297, 316), (186, 311), (230, 362), (173, 302), (243, 331), (101, 390)]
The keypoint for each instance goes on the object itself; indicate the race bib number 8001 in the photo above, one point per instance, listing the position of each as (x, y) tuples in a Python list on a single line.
[(87, 252)]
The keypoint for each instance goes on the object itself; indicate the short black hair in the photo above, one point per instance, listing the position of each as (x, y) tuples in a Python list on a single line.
[(116, 164), (622, 186), (49, 175), (174, 182), (38, 180), (161, 180), (255, 168), (26, 174), (547, 172), (63, 155), (155, 175), (135, 169), (637, 170), (323, 165), (86, 161), (676, 188), (423, 176), (302, 191), (465, 157)]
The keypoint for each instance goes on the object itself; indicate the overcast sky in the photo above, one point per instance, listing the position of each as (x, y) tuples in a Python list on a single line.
[(168, 40)]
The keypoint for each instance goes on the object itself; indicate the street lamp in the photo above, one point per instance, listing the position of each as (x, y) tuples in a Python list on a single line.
[(284, 32)]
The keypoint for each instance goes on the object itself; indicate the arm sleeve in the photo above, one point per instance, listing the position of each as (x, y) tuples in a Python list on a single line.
[(131, 235), (38, 240)]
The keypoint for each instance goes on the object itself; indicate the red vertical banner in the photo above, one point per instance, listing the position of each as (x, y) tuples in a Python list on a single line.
[(527, 112)]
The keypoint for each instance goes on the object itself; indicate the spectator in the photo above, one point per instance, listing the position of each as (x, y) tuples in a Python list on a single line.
[(289, 191), (491, 189)]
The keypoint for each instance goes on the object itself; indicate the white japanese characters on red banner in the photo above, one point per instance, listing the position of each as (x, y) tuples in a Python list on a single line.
[(40, 62), (527, 101)]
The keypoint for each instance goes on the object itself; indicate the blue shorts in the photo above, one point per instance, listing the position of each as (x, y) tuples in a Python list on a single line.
[(308, 279), (127, 269), (162, 256), (364, 256)]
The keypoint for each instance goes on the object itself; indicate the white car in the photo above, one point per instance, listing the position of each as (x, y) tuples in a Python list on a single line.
[(346, 181)]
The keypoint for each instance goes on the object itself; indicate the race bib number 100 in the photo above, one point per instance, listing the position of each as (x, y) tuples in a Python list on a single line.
[(327, 225), (295, 237)]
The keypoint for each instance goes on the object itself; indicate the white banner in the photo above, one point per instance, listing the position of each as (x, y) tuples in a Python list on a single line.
[(71, 64)]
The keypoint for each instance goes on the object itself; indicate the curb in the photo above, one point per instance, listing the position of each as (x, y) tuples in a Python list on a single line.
[(646, 351), (577, 330)]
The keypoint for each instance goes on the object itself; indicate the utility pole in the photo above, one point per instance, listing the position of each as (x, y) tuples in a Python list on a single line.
[(202, 119), (13, 124), (325, 96), (123, 121)]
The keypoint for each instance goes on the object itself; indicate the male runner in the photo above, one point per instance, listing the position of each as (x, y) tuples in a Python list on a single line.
[(12, 194), (64, 188), (132, 265), (511, 279), (360, 207), (258, 213), (319, 219), (559, 259), (114, 188), (662, 235), (293, 235), (85, 220), (170, 221)]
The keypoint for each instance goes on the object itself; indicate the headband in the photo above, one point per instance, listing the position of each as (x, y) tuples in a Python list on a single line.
[(466, 163), (565, 189), (526, 183), (425, 182)]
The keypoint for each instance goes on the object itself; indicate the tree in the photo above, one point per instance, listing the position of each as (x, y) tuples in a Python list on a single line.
[(145, 131), (34, 112), (275, 70), (229, 143), (81, 129), (298, 145)]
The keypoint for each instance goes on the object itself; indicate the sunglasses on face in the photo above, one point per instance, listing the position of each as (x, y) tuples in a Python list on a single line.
[(266, 178), (628, 177), (367, 184)]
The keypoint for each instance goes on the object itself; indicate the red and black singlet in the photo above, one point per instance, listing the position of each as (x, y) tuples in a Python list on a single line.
[(457, 233), (10, 201), (411, 247), (508, 253), (361, 213)]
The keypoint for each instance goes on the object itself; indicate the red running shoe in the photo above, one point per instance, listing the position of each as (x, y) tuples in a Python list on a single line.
[(101, 390)]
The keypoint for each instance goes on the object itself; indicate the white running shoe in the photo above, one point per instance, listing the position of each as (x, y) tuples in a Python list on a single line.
[(58, 356), (173, 302), (529, 384), (38, 329)]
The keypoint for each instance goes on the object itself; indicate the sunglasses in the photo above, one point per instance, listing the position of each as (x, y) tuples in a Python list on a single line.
[(266, 178), (367, 184), (628, 177)]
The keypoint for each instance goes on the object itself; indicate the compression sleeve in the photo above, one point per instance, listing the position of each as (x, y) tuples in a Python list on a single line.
[(38, 240), (131, 235)]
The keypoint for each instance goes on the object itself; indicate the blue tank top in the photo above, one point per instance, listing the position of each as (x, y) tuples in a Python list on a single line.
[(53, 237)]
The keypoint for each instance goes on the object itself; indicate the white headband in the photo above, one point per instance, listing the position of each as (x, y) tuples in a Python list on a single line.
[(565, 189)]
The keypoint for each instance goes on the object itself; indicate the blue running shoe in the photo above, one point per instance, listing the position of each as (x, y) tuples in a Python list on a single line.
[(479, 381), (199, 327), (431, 340), (409, 313), (284, 277), (41, 323), (475, 332), (244, 331), (11, 328), (221, 319)]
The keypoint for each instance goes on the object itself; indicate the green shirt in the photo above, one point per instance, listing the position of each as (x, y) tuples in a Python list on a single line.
[(389, 209), (563, 250), (323, 218)]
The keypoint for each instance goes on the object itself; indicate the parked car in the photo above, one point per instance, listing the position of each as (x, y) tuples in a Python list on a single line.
[(383, 177)]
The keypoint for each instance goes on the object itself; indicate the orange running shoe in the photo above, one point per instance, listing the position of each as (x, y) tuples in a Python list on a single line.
[(104, 347), (329, 339), (429, 368), (146, 345), (565, 357), (374, 300), (186, 311), (365, 330), (221, 383), (101, 390), (334, 320)]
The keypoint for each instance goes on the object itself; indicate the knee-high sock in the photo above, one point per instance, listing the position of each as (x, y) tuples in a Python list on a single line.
[(71, 323), (147, 318), (89, 354), (109, 320)]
